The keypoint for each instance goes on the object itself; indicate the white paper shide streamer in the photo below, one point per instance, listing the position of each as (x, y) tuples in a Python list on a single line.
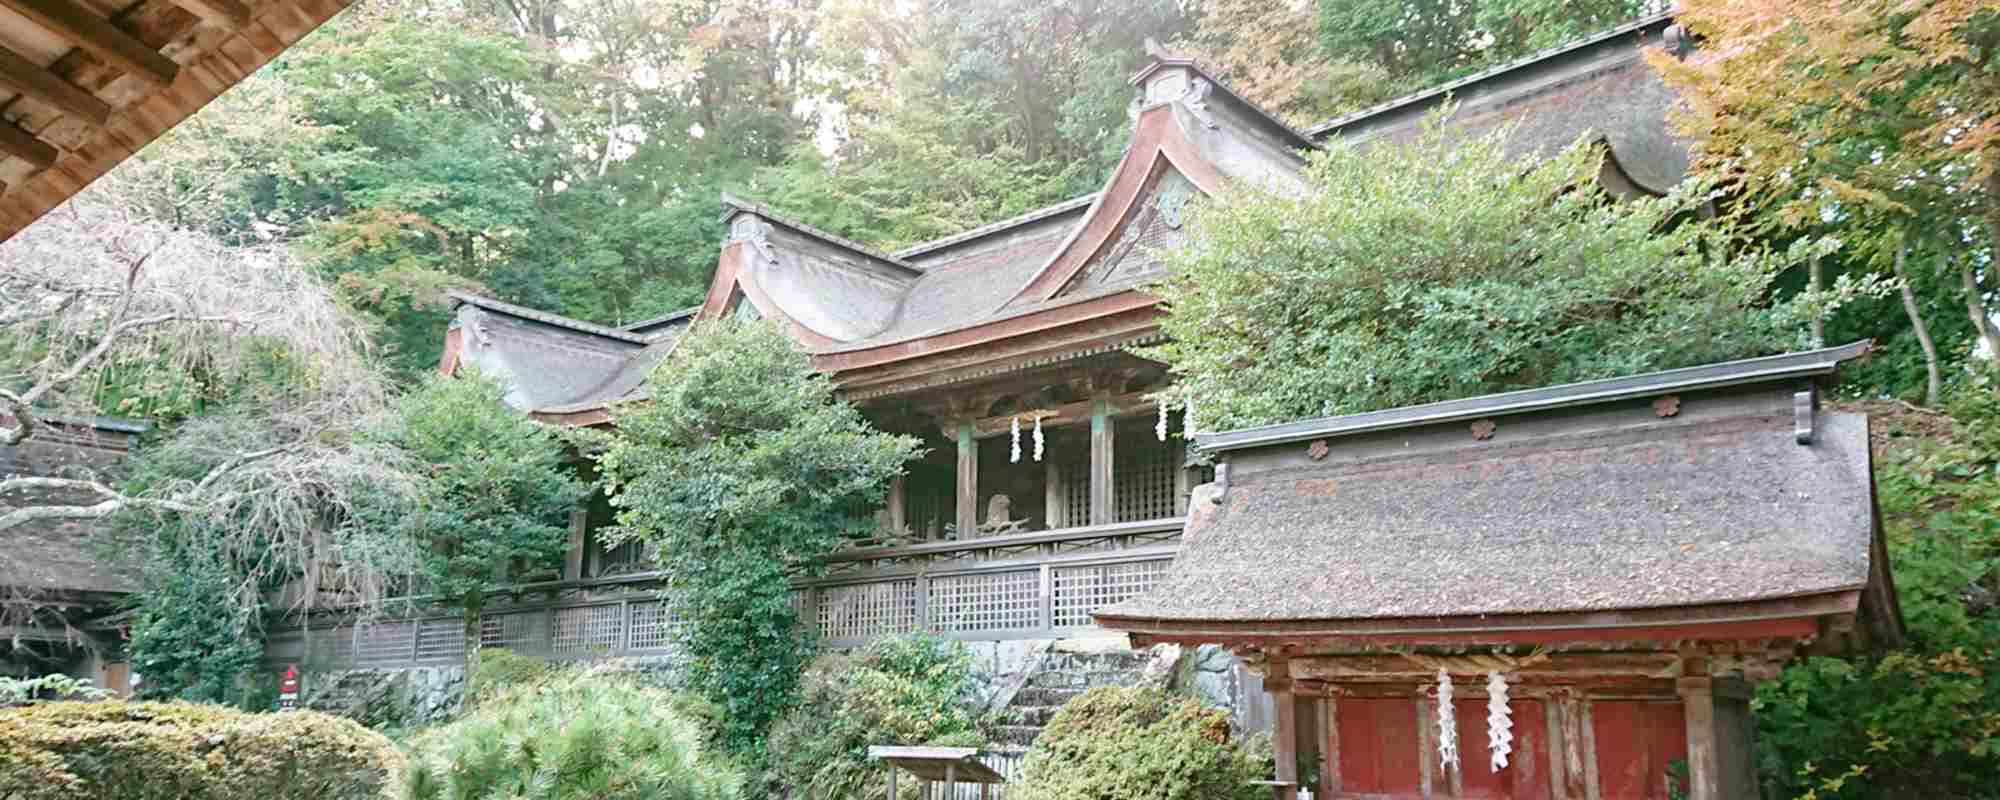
[(1038, 438), (1499, 720), (1160, 428), (1447, 724), (1016, 457)]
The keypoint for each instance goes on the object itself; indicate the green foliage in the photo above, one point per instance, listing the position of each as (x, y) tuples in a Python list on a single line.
[(179, 751), (907, 690), (744, 470), (1925, 719), (56, 686), (1114, 743), (498, 670), (1435, 40), (1441, 268), (188, 641), (497, 494), (576, 736)]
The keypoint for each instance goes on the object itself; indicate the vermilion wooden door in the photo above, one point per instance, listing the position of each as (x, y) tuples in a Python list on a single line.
[(1378, 747), (1636, 740), (1526, 776)]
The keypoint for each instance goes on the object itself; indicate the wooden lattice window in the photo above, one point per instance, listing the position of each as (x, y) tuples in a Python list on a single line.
[(1081, 590), (868, 610), (992, 601), (654, 625), (588, 629), (441, 639), (382, 643), (1142, 472), (1075, 467), (929, 500), (514, 631)]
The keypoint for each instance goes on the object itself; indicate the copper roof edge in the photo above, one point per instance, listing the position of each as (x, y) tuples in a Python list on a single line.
[(737, 205), (547, 318), (1428, 93), (1730, 373)]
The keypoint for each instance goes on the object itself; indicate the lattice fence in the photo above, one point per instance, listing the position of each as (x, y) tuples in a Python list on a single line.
[(587, 630), (520, 631), (868, 610), (654, 625), (990, 601), (441, 639), (1081, 590)]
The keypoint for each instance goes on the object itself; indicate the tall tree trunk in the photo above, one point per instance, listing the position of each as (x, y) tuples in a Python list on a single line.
[(1816, 281), (1975, 307), (1933, 378)]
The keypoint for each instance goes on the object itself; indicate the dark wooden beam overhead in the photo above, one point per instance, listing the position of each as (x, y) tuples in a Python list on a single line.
[(23, 145), (23, 76), (78, 26), (230, 13)]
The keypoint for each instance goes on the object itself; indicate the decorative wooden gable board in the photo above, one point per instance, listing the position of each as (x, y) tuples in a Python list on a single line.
[(1134, 258)]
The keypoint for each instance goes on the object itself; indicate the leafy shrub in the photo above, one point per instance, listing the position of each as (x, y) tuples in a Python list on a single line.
[(1923, 720), (498, 670), (1110, 742), (182, 751), (907, 690), (22, 691), (575, 735)]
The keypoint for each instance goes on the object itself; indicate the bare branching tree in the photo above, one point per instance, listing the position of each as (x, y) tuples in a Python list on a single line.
[(95, 293)]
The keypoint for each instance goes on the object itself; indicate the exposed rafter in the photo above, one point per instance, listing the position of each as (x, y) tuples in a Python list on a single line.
[(222, 12), (22, 75), (99, 37), (23, 145)]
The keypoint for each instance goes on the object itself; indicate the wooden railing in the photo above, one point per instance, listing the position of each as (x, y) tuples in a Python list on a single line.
[(1026, 585), (1018, 586)]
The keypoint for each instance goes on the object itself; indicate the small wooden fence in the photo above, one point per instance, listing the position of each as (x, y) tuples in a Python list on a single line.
[(1028, 585)]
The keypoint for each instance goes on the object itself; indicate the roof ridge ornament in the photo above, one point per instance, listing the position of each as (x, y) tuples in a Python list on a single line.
[(1196, 101), (753, 230)]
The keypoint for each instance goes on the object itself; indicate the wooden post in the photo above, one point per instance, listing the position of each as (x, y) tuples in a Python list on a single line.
[(1704, 760), (968, 483), (1052, 496), (1285, 730), (892, 780), (573, 560), (898, 514), (1102, 508)]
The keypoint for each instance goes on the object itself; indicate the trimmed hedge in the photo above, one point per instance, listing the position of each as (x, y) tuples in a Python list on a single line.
[(574, 735), (1116, 744), (182, 751)]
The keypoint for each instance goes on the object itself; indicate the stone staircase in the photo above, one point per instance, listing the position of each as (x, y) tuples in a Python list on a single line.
[(1062, 677)]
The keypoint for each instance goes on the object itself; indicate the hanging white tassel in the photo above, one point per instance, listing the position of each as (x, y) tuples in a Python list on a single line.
[(1160, 428), (1038, 438), (1016, 457), (1499, 720), (1187, 417), (1447, 724)]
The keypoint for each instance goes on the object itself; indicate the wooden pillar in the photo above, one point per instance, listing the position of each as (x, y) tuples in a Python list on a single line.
[(1697, 692), (1285, 730), (578, 540), (1102, 510), (898, 512), (968, 482), (1053, 508)]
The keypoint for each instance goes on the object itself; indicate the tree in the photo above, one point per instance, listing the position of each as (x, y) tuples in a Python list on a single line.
[(497, 493), (1270, 52), (744, 470), (257, 377), (1882, 117), (1444, 268), (1434, 40)]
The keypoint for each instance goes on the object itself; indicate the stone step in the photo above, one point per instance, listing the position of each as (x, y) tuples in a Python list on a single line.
[(1022, 735), (1080, 679), (1037, 716), (1038, 696)]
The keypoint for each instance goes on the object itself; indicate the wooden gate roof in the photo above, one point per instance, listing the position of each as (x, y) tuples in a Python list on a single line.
[(1692, 497), (84, 84)]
